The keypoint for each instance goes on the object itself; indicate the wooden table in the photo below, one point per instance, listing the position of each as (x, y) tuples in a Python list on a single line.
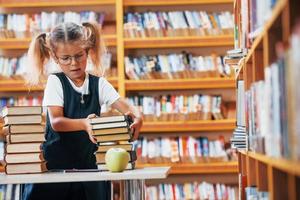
[(139, 174)]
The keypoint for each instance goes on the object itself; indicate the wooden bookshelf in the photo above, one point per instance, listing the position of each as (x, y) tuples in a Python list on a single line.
[(12, 85), (172, 2), (36, 4), (17, 43), (178, 42), (184, 126), (280, 177), (199, 168)]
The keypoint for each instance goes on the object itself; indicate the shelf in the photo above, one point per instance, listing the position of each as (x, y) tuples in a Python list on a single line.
[(16, 43), (278, 8), (168, 42), (172, 2), (179, 84), (288, 166), (56, 3), (11, 85), (198, 168), (184, 126)]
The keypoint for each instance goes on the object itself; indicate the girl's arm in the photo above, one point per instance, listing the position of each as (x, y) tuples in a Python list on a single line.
[(127, 109), (63, 124)]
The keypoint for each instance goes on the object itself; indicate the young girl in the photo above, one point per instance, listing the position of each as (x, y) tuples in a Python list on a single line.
[(72, 97)]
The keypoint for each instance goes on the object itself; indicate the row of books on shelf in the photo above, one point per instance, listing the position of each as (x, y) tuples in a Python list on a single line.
[(181, 107), (10, 191), (253, 193), (26, 25), (184, 149), (16, 66), (172, 66), (21, 101), (272, 105), (194, 190), (177, 23), (250, 17)]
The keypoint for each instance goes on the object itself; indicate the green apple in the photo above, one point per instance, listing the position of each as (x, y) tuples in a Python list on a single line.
[(116, 159)]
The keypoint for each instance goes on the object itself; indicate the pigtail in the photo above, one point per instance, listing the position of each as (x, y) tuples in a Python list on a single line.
[(38, 55), (95, 45)]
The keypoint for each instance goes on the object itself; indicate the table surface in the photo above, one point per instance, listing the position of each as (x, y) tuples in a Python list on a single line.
[(55, 177)]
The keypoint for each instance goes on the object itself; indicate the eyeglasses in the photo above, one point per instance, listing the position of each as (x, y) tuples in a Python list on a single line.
[(67, 60)]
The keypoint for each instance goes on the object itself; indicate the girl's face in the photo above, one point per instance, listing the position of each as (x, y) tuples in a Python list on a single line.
[(72, 59)]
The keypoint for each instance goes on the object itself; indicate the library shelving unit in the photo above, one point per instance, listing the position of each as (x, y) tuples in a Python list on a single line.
[(278, 176), (113, 36), (156, 45)]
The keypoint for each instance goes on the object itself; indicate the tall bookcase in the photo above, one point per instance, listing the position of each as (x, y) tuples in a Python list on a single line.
[(120, 46), (276, 174)]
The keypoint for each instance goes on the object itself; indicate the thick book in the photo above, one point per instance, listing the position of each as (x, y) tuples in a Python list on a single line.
[(114, 137), (103, 167), (25, 138), (106, 147), (111, 122), (110, 119), (24, 148), (23, 119), (111, 131), (22, 110), (24, 158), (100, 157), (27, 128), (26, 168)]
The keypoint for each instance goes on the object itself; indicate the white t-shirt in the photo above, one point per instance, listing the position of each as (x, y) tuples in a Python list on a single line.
[(53, 94)]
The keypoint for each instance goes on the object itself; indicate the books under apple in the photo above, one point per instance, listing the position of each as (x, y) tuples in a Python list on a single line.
[(103, 167)]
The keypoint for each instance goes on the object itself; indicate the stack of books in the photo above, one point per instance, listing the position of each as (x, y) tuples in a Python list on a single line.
[(24, 134), (113, 132)]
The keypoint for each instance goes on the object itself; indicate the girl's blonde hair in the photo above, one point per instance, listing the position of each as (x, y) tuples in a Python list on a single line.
[(44, 45)]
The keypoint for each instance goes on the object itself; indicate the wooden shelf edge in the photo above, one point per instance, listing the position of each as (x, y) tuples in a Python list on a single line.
[(167, 42), (179, 126), (199, 168), (173, 2), (17, 43), (56, 4), (287, 166), (278, 8), (12, 85), (176, 84)]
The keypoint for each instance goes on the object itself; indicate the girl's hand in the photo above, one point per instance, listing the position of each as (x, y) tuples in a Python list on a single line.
[(136, 125), (88, 127)]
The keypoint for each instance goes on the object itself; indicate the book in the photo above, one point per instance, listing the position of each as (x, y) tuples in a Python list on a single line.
[(24, 148), (23, 119), (110, 119), (26, 168), (22, 110), (110, 131), (100, 157), (110, 125), (26, 128), (24, 158), (105, 147), (23, 138), (114, 137), (103, 167)]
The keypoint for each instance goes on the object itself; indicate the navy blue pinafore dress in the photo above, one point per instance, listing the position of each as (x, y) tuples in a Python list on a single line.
[(71, 150)]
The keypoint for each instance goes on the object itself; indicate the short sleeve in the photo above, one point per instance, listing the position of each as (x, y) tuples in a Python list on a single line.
[(107, 93), (53, 94)]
